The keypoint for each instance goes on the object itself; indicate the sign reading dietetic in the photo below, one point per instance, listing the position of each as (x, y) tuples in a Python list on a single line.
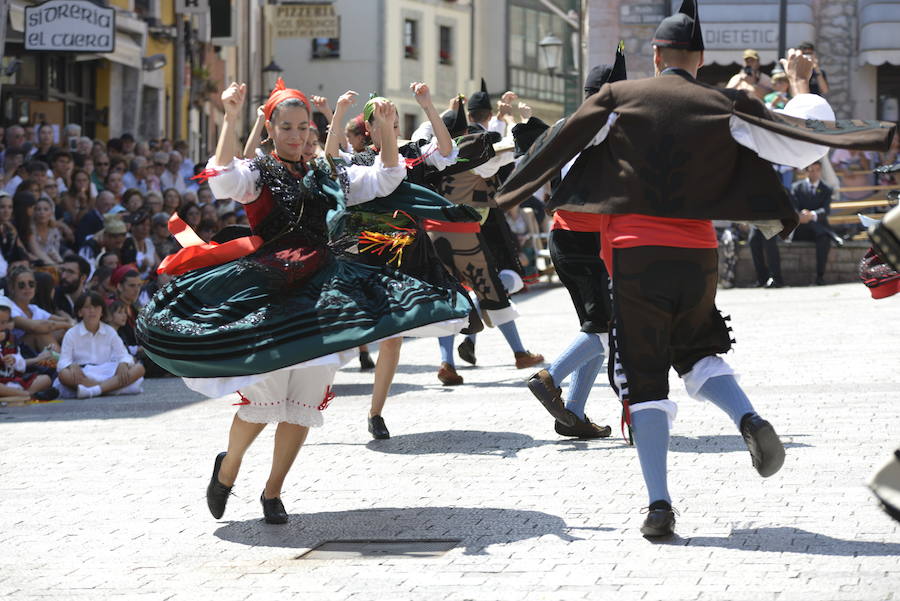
[(70, 26)]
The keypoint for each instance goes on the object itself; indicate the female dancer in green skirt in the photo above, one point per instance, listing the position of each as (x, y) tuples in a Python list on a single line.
[(266, 314)]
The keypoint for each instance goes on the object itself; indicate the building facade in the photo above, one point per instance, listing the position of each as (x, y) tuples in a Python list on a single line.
[(381, 46), (384, 45), (161, 79)]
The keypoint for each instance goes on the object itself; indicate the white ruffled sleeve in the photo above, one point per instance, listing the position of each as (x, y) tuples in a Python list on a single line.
[(370, 182), (238, 180), (433, 155)]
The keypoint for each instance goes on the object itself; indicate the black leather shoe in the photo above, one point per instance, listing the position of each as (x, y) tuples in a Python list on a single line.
[(466, 350), (217, 493), (544, 389), (378, 429), (763, 443), (365, 361), (273, 510), (659, 521), (46, 395), (582, 429), (773, 283), (820, 281)]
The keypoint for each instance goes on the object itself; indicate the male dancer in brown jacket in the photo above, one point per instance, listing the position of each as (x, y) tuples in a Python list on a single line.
[(679, 153)]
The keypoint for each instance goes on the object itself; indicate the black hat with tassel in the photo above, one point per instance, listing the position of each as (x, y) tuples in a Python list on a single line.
[(480, 99), (680, 31), (602, 74)]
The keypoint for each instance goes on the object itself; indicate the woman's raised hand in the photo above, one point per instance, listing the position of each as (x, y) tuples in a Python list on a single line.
[(525, 111), (384, 115), (346, 100), (233, 98), (421, 92)]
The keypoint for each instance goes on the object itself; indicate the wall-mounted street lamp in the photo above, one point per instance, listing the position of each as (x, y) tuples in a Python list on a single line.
[(271, 73), (551, 49), (153, 62)]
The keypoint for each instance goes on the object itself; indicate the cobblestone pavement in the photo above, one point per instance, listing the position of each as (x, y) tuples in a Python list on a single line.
[(104, 498)]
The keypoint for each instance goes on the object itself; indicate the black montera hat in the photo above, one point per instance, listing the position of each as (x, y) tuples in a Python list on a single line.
[(681, 30), (524, 134), (481, 99), (602, 74), (456, 122)]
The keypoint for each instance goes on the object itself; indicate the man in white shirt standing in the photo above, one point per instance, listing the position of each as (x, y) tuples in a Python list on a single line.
[(171, 177), (750, 78)]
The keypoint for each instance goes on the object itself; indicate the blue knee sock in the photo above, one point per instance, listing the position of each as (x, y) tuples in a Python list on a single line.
[(446, 344), (580, 386), (651, 437), (511, 333), (726, 394), (583, 348)]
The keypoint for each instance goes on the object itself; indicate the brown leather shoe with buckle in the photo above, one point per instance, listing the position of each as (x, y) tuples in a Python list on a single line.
[(448, 376), (582, 429), (526, 359), (544, 389)]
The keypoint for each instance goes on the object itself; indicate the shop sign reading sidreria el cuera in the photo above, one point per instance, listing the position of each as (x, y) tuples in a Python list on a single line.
[(70, 26)]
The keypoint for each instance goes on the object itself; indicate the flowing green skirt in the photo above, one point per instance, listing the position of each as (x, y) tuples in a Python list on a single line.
[(282, 306)]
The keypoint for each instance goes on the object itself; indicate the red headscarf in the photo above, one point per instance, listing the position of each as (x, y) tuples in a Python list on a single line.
[(281, 93)]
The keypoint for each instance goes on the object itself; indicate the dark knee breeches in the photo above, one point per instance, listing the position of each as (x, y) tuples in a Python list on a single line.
[(664, 315), (576, 258)]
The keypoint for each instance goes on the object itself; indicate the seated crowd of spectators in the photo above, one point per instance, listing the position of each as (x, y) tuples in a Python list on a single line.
[(843, 175), (83, 227)]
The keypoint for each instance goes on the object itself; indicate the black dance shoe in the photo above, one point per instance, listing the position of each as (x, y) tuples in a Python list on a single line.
[(217, 493), (46, 395), (378, 429), (466, 350), (763, 443), (660, 520), (544, 389), (582, 429), (365, 361), (273, 510)]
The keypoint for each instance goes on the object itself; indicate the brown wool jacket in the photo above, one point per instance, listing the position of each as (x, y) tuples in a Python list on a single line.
[(670, 153)]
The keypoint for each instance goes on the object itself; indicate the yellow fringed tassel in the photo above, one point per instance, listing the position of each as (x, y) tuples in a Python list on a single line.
[(378, 243)]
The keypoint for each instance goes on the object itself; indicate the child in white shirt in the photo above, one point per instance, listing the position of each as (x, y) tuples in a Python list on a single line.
[(93, 360)]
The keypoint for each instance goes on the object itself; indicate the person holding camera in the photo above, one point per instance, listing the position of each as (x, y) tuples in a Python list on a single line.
[(818, 82), (750, 78)]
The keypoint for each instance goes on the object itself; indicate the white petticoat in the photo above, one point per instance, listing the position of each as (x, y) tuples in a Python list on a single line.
[(293, 394), (297, 394)]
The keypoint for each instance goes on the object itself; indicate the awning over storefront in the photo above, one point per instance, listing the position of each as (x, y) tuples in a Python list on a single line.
[(128, 49), (17, 15), (732, 26), (879, 32), (128, 52)]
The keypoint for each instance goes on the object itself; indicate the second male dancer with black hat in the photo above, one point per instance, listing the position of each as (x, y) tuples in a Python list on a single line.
[(575, 250), (679, 153)]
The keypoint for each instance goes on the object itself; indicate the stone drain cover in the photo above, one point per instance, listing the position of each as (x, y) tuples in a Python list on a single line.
[(355, 549)]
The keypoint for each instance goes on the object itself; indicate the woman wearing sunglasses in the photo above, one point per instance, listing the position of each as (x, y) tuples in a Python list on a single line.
[(34, 327)]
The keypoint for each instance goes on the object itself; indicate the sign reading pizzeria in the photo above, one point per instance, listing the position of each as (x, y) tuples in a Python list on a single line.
[(305, 21), (70, 26)]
